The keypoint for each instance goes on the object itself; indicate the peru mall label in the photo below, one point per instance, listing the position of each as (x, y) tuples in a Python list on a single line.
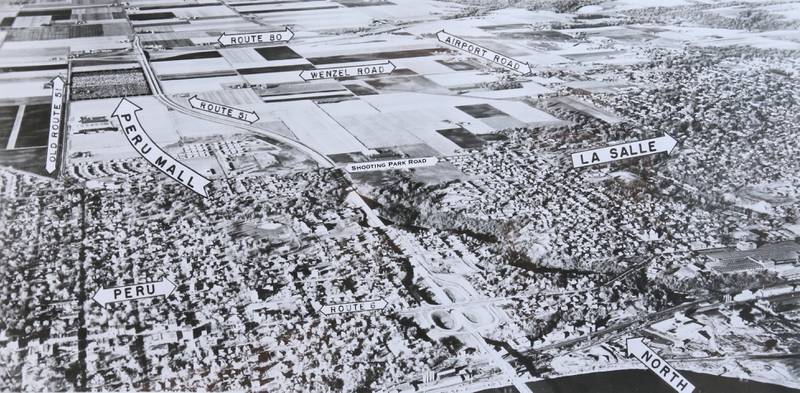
[(126, 114), (405, 163)]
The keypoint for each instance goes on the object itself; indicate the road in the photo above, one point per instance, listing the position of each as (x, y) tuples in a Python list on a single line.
[(321, 159), (325, 162)]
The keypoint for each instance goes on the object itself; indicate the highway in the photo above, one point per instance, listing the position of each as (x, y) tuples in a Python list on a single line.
[(321, 159), (325, 162), (412, 248)]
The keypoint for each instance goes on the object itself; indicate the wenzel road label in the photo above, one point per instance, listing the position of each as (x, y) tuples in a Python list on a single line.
[(104, 296), (255, 38), (141, 142), (348, 308), (348, 71), (56, 113), (623, 151), (405, 163), (488, 54), (656, 364), (223, 110)]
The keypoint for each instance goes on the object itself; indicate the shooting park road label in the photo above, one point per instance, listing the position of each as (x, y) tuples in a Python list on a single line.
[(623, 151), (141, 142), (648, 357), (105, 296), (354, 307), (54, 132), (223, 110), (488, 54), (348, 71), (404, 163), (255, 38)]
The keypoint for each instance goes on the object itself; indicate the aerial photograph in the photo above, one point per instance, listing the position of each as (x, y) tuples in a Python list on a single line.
[(492, 196)]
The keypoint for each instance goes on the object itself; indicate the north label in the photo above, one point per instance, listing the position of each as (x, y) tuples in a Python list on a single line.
[(648, 357), (54, 132), (663, 144), (348, 71), (405, 163), (483, 52), (141, 142)]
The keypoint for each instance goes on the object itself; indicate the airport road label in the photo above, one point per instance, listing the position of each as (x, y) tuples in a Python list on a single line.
[(255, 38), (624, 151), (637, 349), (348, 71), (141, 142), (223, 110), (404, 163), (105, 296), (488, 54), (56, 113), (354, 307)]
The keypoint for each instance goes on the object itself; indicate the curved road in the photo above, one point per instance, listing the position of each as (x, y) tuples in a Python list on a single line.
[(320, 158), (323, 160)]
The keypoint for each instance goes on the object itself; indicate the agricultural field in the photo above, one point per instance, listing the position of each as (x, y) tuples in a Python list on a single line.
[(109, 83), (399, 195), (33, 128)]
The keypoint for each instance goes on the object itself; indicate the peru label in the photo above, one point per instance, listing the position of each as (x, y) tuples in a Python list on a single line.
[(105, 296), (348, 71), (223, 110), (624, 151), (656, 364), (488, 54), (56, 113), (141, 142), (255, 38), (404, 163), (349, 308)]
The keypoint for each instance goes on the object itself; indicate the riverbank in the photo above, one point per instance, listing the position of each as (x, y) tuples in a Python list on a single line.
[(643, 381)]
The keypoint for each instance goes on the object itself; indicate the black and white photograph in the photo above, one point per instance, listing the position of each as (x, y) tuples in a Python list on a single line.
[(400, 196)]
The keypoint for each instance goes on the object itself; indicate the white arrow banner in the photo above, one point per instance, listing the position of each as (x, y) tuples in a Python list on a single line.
[(56, 113), (223, 110), (141, 142), (105, 296), (488, 54), (405, 163), (648, 357), (348, 71), (624, 151), (255, 38), (347, 308)]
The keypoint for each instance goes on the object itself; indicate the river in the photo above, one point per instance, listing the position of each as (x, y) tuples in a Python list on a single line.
[(642, 381)]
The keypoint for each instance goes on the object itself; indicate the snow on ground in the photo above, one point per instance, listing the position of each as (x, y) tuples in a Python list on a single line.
[(313, 126), (178, 86), (166, 128), (194, 66)]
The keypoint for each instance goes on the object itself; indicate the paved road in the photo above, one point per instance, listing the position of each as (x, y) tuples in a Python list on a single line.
[(186, 109), (323, 161)]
